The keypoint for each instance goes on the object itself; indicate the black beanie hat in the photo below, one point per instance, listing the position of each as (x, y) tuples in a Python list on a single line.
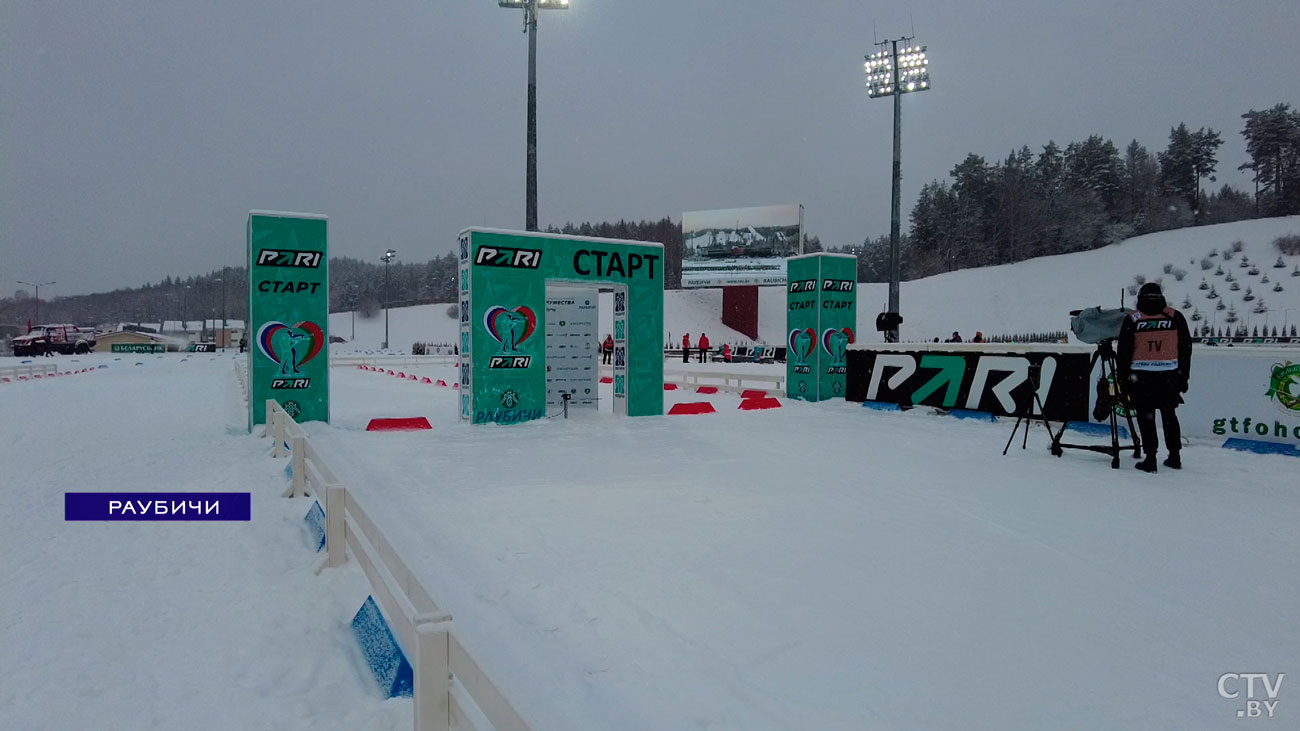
[(1150, 299)]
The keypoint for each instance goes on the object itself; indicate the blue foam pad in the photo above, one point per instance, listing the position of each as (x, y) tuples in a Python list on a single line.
[(315, 520), (1258, 447), (969, 414), (382, 653), (1096, 430), (879, 405)]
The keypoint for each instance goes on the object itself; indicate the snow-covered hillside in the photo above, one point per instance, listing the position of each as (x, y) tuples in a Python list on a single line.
[(1030, 296)]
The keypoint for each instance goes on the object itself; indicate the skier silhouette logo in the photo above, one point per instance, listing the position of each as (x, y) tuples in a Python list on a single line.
[(510, 327), (801, 344), (290, 347), (836, 342)]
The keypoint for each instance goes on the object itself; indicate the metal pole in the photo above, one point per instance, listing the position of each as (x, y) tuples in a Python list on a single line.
[(385, 304), (223, 309), (530, 205), (896, 196)]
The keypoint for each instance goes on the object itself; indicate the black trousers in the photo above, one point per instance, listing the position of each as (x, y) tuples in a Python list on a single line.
[(1157, 391)]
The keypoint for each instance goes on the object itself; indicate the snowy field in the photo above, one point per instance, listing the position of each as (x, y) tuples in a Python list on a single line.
[(817, 566), (163, 625)]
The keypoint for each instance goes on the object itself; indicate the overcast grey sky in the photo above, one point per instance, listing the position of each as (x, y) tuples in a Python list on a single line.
[(136, 135)]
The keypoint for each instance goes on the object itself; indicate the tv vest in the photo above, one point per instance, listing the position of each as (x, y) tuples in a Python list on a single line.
[(1155, 341)]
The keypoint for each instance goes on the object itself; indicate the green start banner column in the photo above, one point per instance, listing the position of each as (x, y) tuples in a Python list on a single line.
[(503, 324), (837, 311), (821, 314), (288, 315), (801, 359)]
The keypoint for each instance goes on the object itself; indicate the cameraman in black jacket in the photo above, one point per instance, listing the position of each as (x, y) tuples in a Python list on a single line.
[(1154, 359)]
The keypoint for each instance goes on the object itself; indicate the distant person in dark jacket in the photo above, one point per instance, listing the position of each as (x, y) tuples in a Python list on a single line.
[(243, 344), (955, 337), (1154, 360), (686, 348), (607, 349)]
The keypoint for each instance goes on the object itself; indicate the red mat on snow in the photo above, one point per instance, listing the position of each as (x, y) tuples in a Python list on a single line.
[(670, 386), (606, 379), (707, 389), (406, 423), (767, 402), (754, 394), (696, 407)]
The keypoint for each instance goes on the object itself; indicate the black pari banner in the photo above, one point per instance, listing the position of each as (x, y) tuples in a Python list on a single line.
[(1247, 341), (998, 383)]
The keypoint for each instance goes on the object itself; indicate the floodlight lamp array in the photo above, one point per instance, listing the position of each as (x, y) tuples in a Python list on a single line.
[(911, 70), (541, 4)]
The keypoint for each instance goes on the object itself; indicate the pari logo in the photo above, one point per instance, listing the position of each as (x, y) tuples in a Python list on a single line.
[(511, 328), (801, 344), (289, 258), (836, 343), (1284, 387), (290, 348)]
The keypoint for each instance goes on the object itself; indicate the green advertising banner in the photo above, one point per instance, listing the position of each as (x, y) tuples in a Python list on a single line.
[(503, 278), (138, 348), (804, 275), (837, 312), (288, 315), (821, 314)]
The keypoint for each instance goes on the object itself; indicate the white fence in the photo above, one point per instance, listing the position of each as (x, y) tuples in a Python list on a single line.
[(450, 689), (392, 360), (241, 374), (737, 382), (29, 371)]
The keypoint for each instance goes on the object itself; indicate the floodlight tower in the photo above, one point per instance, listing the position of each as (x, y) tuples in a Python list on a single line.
[(37, 286), (386, 258), (891, 72), (530, 27)]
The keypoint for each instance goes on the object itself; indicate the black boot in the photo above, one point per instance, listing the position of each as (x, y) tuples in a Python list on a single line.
[(1148, 464), (1173, 462)]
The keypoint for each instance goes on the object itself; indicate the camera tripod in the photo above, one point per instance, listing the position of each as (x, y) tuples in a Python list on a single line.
[(1117, 397)]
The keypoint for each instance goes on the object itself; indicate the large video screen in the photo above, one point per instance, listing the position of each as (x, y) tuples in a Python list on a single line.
[(739, 246)]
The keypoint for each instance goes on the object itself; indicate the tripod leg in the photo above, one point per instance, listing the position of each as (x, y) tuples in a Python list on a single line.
[(1013, 434), (1117, 392)]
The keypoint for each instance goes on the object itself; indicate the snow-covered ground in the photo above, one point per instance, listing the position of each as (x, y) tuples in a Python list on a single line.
[(164, 625), (1030, 296), (815, 566), (828, 566)]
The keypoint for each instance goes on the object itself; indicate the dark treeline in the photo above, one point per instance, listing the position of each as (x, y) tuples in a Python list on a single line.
[(1086, 195), (352, 284)]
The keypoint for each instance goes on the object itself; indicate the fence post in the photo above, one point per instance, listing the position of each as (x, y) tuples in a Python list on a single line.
[(298, 453), (335, 538), (277, 439), (432, 675)]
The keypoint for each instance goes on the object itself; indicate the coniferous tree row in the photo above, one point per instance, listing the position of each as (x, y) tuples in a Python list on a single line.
[(1088, 194)]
